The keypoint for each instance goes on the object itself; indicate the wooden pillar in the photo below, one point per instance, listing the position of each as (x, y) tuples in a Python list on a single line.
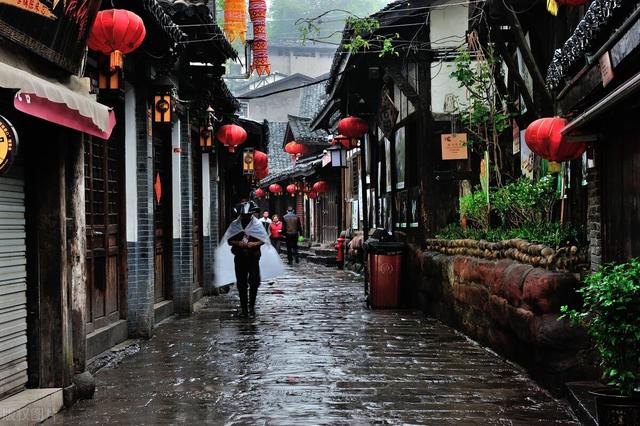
[(77, 240)]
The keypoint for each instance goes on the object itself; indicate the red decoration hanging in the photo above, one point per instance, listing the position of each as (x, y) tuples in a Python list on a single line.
[(291, 189), (353, 127), (312, 195), (258, 14), (231, 136), (260, 193), (320, 186), (260, 160), (157, 187), (116, 32), (347, 143), (544, 138), (275, 189)]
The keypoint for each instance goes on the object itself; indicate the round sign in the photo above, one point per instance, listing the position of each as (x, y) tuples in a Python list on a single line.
[(8, 144)]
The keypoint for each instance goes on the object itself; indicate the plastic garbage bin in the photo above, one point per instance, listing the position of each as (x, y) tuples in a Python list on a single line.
[(385, 268)]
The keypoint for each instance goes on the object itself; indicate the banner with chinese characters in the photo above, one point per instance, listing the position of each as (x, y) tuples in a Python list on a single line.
[(55, 30)]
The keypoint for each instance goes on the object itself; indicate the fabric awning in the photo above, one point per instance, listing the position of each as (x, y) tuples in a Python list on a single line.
[(66, 103)]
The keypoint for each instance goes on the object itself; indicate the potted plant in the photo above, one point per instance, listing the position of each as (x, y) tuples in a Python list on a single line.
[(610, 313)]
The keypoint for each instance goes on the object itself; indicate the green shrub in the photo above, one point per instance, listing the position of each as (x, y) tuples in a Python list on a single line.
[(550, 234), (525, 202), (475, 208), (610, 312)]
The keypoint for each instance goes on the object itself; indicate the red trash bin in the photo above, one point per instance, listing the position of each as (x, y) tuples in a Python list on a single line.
[(385, 269)]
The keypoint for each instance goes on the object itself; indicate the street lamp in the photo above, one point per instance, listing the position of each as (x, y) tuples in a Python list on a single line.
[(338, 156)]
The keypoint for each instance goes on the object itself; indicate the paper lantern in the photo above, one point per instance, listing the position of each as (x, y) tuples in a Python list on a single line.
[(320, 186), (260, 193), (295, 149), (258, 14), (353, 127), (275, 189), (346, 142), (231, 136), (291, 189), (262, 173), (544, 138), (116, 32), (235, 20), (312, 195), (260, 160)]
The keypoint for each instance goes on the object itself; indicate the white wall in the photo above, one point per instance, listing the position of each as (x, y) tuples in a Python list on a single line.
[(448, 26), (175, 181), (130, 180)]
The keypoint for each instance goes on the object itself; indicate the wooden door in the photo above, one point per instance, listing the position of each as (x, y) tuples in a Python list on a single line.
[(162, 215), (197, 219), (103, 184), (329, 215)]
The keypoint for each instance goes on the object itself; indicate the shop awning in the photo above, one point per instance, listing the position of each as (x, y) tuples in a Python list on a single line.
[(66, 103)]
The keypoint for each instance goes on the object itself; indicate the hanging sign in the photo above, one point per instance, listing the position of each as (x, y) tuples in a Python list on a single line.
[(606, 69), (454, 147), (387, 114), (56, 30), (8, 144)]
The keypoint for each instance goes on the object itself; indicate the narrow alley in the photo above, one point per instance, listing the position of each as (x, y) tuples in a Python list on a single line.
[(314, 355)]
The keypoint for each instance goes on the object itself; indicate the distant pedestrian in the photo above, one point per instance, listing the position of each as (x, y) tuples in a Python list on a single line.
[(276, 232), (266, 222), (293, 229)]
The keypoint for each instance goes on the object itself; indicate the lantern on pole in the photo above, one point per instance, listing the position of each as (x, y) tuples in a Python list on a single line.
[(338, 156), (163, 108), (115, 33), (206, 139), (291, 189), (545, 139), (353, 127), (320, 186), (231, 135), (248, 162), (275, 189)]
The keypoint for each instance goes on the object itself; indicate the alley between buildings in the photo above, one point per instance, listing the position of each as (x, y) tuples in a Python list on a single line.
[(314, 355)]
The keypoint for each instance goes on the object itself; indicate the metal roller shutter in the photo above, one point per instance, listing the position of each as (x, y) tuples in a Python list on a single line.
[(13, 313)]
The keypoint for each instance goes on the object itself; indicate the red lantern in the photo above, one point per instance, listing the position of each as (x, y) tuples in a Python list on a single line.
[(544, 138), (320, 186), (231, 136), (312, 195), (275, 189), (261, 173), (353, 127), (260, 193), (260, 160), (347, 143), (295, 149), (291, 189), (116, 32)]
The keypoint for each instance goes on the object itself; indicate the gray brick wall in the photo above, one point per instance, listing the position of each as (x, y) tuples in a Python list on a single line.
[(594, 219), (141, 254), (183, 247)]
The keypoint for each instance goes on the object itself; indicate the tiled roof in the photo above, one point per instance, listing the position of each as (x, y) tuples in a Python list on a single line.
[(301, 131), (312, 98), (278, 159)]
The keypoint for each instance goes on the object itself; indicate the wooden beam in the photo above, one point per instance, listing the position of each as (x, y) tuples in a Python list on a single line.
[(527, 56), (515, 73), (402, 82)]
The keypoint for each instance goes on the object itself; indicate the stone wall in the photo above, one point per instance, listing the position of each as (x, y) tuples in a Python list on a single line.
[(508, 306)]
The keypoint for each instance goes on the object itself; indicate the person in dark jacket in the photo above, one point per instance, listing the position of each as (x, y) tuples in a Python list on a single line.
[(292, 230)]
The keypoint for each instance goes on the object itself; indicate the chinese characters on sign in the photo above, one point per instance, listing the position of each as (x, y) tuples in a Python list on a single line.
[(454, 147)]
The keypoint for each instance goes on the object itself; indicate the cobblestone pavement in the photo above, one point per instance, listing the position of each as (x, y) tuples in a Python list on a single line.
[(314, 355)]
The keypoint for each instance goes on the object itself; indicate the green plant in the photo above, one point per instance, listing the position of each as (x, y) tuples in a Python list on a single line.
[(525, 202), (550, 234), (484, 112), (475, 208), (610, 312)]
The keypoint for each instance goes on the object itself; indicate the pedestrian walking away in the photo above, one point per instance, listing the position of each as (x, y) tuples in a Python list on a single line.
[(293, 228), (266, 222), (253, 255), (276, 232)]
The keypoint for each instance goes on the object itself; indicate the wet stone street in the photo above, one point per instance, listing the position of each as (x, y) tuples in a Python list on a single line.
[(314, 355)]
